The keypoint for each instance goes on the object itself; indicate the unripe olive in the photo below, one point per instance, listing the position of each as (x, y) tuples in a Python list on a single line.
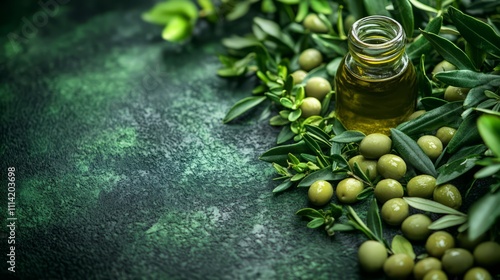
[(435, 275), (455, 93), (431, 145), (445, 134), (310, 107), (348, 189), (457, 261), (310, 59), (372, 255), (443, 66), (477, 273), (415, 115), (348, 22), (375, 145), (314, 23), (425, 265), (368, 166), (387, 189), (298, 76), (398, 266), (448, 195), (317, 87), (421, 186), (391, 166), (487, 254), (438, 242), (320, 192), (394, 211), (465, 242), (416, 227)]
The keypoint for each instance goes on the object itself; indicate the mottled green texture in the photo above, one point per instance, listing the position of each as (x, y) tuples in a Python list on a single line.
[(125, 170)]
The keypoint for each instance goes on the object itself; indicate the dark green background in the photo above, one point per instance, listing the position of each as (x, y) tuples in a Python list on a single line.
[(124, 169)]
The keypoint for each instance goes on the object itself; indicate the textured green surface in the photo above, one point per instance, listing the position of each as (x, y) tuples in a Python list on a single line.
[(125, 170)]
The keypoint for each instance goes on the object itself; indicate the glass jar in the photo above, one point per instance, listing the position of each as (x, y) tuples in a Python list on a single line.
[(376, 83)]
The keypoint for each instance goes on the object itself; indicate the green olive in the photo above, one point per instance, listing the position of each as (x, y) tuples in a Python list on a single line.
[(372, 255), (394, 211), (416, 227), (477, 273), (375, 145), (431, 145), (438, 242), (317, 87), (415, 115), (425, 265), (387, 189), (369, 167), (310, 59), (448, 195), (398, 266), (348, 22), (457, 261), (465, 242), (445, 134), (315, 24), (298, 76), (487, 254), (348, 189), (421, 186), (320, 192), (435, 275), (310, 107), (443, 66), (391, 166), (455, 93)]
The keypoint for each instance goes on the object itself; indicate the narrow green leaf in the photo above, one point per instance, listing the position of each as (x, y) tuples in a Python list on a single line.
[(321, 7), (239, 43), (431, 103), (285, 135), (475, 96), (467, 134), (243, 106), (343, 227), (447, 221), (177, 29), (283, 186), (279, 154), (403, 12), (312, 144), (466, 78), (421, 46), (278, 120), (412, 153), (297, 177), (464, 152), (431, 206), (302, 11), (310, 213), (455, 169), (476, 32), (373, 220), (489, 129), (419, 5), (349, 136), (424, 84), (483, 214), (449, 51), (401, 245), (446, 115), (238, 11), (163, 12), (376, 7), (317, 132), (316, 223), (488, 171)]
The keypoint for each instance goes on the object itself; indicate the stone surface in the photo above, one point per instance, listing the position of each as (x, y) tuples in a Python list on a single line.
[(124, 169)]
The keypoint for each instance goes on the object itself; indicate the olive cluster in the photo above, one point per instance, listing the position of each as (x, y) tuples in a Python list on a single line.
[(388, 170), (443, 259)]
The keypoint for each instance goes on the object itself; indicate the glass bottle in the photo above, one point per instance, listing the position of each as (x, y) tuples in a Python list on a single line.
[(376, 83)]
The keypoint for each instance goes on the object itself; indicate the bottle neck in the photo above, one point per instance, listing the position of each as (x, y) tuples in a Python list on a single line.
[(376, 48)]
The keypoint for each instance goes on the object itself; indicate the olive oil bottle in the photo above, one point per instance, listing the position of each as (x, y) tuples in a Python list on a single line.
[(376, 84)]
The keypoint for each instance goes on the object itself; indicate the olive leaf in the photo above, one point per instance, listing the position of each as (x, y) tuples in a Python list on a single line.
[(455, 169), (489, 129), (419, 5), (279, 154), (431, 206), (412, 153), (316, 223), (476, 32), (285, 135), (483, 214), (466, 78), (424, 83), (286, 184), (243, 106), (449, 51), (467, 134), (318, 133), (238, 43), (321, 6), (446, 115), (447, 221), (377, 7), (421, 45), (310, 213), (163, 12), (401, 245), (373, 220), (403, 12), (349, 136), (431, 103), (177, 29)]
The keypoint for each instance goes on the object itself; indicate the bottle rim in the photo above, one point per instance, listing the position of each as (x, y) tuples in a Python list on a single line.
[(387, 21)]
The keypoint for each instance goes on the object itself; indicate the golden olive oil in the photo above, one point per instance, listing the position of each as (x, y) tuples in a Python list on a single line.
[(371, 105)]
